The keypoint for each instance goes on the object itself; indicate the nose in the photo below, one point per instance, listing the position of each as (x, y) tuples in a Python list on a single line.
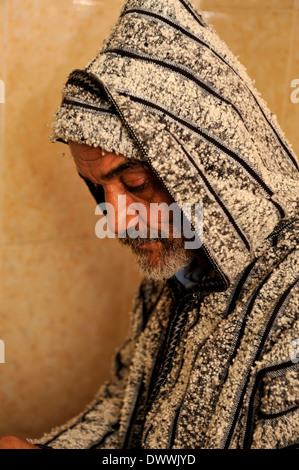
[(124, 214)]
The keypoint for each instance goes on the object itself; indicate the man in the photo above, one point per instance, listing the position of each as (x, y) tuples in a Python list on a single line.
[(166, 113)]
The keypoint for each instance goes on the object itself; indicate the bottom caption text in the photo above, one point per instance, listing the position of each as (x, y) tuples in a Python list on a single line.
[(149, 459)]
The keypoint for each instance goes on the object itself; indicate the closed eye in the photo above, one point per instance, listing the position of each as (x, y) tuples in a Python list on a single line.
[(138, 189)]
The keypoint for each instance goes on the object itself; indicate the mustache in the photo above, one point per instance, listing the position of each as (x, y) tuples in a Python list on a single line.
[(138, 241), (126, 240)]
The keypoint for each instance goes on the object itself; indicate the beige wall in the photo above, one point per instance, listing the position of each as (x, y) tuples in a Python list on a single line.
[(64, 294)]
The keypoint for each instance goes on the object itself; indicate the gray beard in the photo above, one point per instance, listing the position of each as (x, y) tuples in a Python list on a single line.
[(173, 257)]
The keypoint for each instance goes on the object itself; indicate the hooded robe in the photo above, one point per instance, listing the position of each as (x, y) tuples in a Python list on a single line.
[(212, 366)]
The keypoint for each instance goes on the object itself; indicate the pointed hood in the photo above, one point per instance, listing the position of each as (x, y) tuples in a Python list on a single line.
[(166, 89)]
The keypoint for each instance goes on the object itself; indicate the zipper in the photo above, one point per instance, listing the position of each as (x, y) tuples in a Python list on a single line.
[(277, 232), (164, 363)]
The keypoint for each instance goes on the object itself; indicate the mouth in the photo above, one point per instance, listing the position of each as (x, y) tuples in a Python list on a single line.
[(149, 244), (148, 249)]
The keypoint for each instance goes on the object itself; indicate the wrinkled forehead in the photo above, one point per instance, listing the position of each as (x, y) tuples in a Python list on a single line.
[(92, 156)]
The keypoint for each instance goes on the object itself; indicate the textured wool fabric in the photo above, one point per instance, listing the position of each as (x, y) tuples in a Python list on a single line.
[(211, 367)]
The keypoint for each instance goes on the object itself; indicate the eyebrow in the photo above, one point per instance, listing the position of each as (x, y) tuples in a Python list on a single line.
[(121, 168)]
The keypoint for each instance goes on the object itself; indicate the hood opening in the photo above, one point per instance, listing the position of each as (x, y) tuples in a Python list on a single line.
[(165, 88)]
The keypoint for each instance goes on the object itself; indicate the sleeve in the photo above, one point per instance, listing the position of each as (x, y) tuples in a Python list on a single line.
[(97, 426)]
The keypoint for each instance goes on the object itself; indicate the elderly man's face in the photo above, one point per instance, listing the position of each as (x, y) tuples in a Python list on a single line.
[(158, 258)]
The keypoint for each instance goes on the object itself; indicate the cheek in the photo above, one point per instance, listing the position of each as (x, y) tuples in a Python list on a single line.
[(161, 194), (166, 205)]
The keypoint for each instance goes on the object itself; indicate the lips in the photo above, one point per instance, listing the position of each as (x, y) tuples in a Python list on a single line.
[(148, 244)]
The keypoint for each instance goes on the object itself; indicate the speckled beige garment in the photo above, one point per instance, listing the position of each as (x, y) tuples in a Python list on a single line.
[(166, 89)]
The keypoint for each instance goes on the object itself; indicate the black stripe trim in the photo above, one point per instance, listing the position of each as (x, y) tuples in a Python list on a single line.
[(249, 308), (86, 81), (81, 420), (101, 441), (210, 139), (67, 101), (169, 21), (119, 365), (260, 375), (206, 136), (147, 315), (273, 318), (130, 427), (242, 329), (279, 208), (198, 131), (281, 228), (215, 195), (195, 38), (193, 13), (43, 446), (268, 416), (238, 290), (177, 69), (251, 408), (248, 270), (235, 156)]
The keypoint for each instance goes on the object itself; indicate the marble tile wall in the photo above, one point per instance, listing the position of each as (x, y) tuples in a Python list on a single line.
[(64, 294)]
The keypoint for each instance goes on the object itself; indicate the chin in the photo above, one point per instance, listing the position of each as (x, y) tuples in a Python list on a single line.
[(158, 269)]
